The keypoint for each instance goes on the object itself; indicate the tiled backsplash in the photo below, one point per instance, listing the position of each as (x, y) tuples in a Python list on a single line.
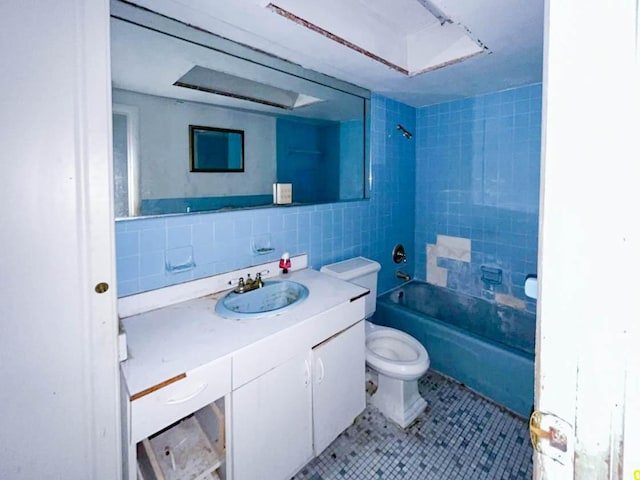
[(327, 233), (478, 177)]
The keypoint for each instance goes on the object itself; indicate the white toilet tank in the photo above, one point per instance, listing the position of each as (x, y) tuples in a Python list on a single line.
[(362, 272)]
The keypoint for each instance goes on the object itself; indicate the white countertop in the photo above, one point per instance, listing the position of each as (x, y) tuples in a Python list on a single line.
[(174, 339)]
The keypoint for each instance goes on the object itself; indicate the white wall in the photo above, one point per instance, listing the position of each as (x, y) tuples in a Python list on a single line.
[(58, 363), (164, 148)]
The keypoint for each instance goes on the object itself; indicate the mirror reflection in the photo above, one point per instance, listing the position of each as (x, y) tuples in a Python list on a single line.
[(201, 123), (216, 149)]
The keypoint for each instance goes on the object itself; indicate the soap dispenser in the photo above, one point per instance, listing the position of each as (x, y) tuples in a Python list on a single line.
[(285, 262)]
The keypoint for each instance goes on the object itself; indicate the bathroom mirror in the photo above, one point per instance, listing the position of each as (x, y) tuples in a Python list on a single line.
[(202, 123)]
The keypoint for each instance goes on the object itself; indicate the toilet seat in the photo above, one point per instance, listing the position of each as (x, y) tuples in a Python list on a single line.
[(395, 353)]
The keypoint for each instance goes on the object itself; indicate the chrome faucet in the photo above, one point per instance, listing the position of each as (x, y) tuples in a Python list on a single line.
[(249, 284), (258, 281), (240, 287), (403, 276)]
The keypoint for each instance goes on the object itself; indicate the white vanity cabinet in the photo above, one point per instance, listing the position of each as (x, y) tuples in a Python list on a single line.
[(271, 422), (338, 385), (285, 385), (286, 416)]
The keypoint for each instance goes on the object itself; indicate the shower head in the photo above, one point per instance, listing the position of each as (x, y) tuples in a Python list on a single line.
[(407, 134)]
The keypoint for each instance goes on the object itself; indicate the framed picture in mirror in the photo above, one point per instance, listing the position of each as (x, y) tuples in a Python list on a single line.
[(216, 149)]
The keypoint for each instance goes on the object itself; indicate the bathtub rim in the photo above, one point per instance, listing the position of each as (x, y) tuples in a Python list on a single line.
[(523, 353)]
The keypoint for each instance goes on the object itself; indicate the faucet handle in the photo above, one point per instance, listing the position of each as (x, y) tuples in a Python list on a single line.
[(240, 287), (399, 254)]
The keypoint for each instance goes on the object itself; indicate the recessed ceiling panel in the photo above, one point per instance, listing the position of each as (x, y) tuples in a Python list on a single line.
[(351, 24), (219, 83), (408, 36), (406, 16)]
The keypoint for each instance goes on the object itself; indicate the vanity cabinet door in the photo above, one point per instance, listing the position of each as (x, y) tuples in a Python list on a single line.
[(338, 384), (271, 423)]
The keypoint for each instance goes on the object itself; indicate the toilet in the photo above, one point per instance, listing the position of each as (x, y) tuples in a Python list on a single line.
[(395, 360)]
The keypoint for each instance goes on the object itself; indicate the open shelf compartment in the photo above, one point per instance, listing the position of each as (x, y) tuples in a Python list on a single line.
[(190, 449)]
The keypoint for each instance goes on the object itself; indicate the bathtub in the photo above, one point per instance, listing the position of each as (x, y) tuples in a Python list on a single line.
[(488, 347)]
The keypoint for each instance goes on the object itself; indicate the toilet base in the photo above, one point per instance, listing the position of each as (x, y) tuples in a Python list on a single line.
[(398, 400)]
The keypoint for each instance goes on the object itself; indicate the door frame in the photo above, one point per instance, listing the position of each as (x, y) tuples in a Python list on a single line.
[(589, 250)]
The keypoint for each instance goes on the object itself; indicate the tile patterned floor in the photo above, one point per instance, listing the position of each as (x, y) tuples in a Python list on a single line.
[(460, 436)]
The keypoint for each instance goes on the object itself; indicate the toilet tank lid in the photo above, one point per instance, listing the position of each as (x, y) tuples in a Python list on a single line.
[(352, 268)]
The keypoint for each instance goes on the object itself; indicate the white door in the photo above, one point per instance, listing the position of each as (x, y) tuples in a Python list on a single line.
[(588, 310), (59, 374), (271, 423), (338, 385)]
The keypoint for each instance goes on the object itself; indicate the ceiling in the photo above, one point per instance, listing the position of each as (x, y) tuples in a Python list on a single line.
[(419, 52)]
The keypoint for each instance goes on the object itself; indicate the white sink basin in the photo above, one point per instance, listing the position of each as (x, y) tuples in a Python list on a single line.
[(272, 299)]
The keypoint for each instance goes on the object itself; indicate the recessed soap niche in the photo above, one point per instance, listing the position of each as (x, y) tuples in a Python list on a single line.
[(261, 244), (179, 259)]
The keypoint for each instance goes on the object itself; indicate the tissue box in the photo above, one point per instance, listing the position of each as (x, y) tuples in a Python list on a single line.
[(282, 193)]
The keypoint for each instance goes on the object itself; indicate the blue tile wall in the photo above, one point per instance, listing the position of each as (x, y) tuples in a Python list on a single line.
[(329, 232), (351, 147), (308, 157), (478, 177)]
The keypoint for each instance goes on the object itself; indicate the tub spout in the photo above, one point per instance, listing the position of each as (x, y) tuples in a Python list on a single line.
[(403, 276)]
